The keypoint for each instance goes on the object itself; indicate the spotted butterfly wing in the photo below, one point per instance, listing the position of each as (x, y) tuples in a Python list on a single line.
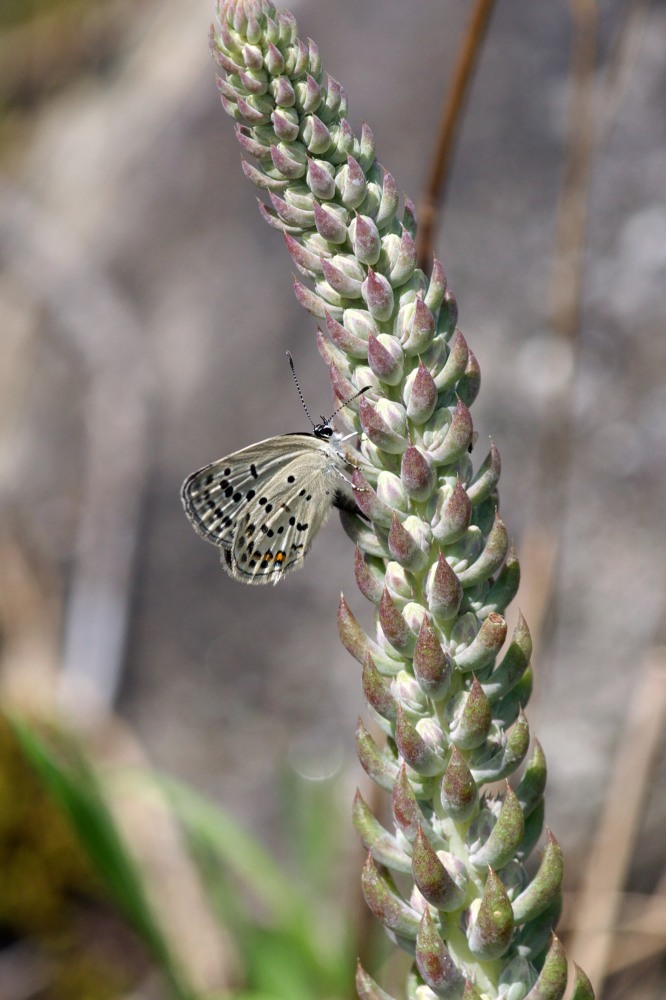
[(263, 505)]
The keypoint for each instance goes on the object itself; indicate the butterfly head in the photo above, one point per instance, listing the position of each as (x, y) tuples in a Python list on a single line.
[(323, 431)]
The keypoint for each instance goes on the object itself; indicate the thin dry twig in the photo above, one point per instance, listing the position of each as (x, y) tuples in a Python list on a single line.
[(567, 278), (452, 110), (610, 855)]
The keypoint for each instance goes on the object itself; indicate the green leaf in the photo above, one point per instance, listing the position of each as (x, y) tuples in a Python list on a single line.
[(77, 791)]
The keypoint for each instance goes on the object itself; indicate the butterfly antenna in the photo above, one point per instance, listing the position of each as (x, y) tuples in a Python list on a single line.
[(300, 394), (342, 405)]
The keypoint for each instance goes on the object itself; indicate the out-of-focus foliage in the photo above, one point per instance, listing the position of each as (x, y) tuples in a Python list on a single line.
[(294, 942), (51, 899)]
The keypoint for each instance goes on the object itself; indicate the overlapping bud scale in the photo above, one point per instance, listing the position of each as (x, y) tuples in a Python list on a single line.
[(432, 554)]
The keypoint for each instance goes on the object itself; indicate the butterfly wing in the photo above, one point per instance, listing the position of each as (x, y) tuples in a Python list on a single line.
[(273, 537), (215, 496)]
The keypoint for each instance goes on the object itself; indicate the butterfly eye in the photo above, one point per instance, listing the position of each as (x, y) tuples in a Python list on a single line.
[(323, 432)]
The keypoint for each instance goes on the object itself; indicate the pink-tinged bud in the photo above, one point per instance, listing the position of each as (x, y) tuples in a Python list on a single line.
[(444, 591), (448, 314), (485, 646), (505, 586), (433, 667), (383, 847), (399, 583), (394, 626), (330, 297), (307, 262), (388, 205), (300, 65), (391, 491), (366, 147), (514, 664), (409, 217), (253, 111), (283, 92), (376, 764), (552, 981), (413, 612), (505, 836), (415, 327), (491, 558), (454, 367), (367, 988), (331, 222), (471, 716), (314, 303), (369, 583), (378, 296), (406, 812), (440, 877), (352, 635), (274, 60), (339, 279), (384, 423), (544, 887), (289, 160), (254, 80), (414, 750), (316, 136), (532, 785), (224, 60), (436, 287), (533, 830), (455, 442), (320, 178), (253, 29), (386, 902), (582, 987), (377, 691), (420, 394), (470, 383), (416, 473), (407, 691), (365, 239), (386, 357), (293, 216), (487, 478), (343, 141), (272, 31), (270, 217), (509, 755), (352, 185), (490, 921), (330, 355), (405, 264), (222, 37), (308, 96), (437, 968), (409, 543), (507, 709), (458, 791), (342, 387), (261, 180), (246, 140), (368, 502), (286, 124), (463, 631), (453, 514), (314, 58), (360, 324)]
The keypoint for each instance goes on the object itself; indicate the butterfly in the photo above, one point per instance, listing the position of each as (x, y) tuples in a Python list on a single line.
[(263, 505)]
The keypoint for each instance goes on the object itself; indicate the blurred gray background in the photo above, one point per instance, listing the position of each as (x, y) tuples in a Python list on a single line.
[(145, 311)]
